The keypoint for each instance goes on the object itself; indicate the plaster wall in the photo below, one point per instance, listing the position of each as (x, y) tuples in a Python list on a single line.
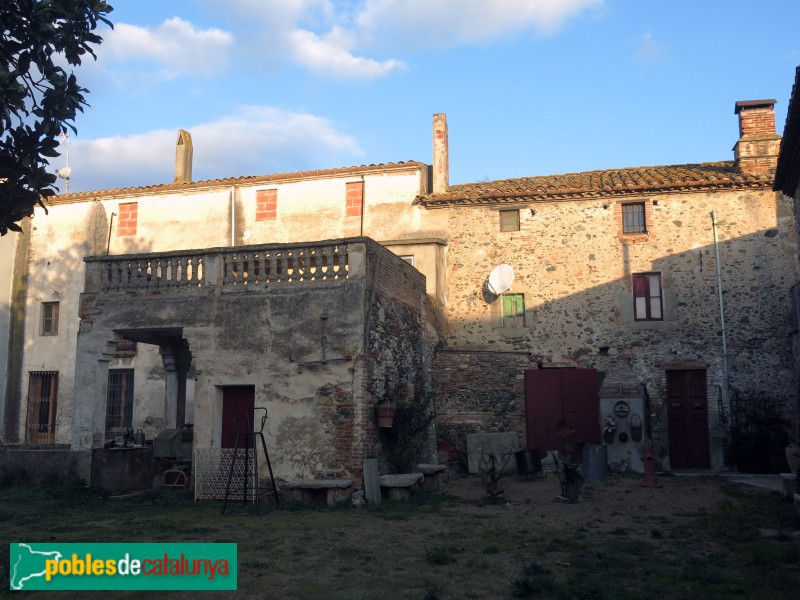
[(178, 220), (310, 373), (7, 249)]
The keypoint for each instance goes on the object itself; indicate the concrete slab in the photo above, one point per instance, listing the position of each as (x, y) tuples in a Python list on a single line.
[(501, 443)]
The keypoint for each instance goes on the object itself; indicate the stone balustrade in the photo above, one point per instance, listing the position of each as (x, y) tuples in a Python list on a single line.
[(244, 266)]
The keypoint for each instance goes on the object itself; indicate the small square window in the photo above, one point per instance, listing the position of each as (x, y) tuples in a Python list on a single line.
[(513, 310), (633, 219), (647, 297), (409, 258), (49, 318), (509, 220)]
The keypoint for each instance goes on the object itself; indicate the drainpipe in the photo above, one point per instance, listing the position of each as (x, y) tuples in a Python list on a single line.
[(233, 216), (363, 203), (725, 387)]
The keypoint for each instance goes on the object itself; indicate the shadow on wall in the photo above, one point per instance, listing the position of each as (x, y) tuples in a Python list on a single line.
[(594, 328)]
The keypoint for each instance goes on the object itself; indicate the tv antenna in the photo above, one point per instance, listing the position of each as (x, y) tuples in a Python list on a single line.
[(65, 171)]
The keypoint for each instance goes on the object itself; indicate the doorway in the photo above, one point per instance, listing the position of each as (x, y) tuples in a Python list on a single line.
[(687, 414), (561, 408), (238, 404)]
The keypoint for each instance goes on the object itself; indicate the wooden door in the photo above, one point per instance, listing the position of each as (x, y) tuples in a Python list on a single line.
[(238, 403), (687, 412), (561, 407)]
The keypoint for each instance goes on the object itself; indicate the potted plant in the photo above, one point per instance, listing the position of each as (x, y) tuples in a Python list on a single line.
[(609, 428), (386, 412)]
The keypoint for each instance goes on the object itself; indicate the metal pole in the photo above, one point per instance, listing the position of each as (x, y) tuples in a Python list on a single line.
[(110, 227), (725, 383), (233, 216)]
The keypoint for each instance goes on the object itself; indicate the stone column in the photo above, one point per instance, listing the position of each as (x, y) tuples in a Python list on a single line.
[(91, 376), (176, 366), (171, 386)]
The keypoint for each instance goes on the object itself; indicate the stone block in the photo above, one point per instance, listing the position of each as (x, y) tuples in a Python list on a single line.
[(433, 476), (480, 444), (372, 483), (789, 481), (402, 486), (320, 492)]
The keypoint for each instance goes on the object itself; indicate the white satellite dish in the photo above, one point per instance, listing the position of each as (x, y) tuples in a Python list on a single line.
[(501, 278)]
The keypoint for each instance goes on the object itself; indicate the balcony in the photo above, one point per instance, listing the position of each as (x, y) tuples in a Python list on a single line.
[(239, 268)]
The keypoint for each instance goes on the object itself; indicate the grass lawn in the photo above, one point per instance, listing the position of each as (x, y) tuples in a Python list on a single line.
[(444, 546)]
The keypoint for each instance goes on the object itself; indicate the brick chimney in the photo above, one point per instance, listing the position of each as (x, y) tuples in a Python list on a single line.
[(441, 159), (183, 158), (756, 152)]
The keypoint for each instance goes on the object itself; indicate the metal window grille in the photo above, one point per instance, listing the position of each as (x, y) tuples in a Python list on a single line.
[(50, 318), (633, 220), (42, 404), (509, 220), (119, 401)]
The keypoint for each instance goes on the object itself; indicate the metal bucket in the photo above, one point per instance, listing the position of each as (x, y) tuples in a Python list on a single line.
[(528, 462), (595, 463)]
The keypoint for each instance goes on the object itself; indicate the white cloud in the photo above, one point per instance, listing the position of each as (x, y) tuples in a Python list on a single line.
[(338, 39), (257, 140), (648, 48), (451, 22), (330, 55), (176, 46)]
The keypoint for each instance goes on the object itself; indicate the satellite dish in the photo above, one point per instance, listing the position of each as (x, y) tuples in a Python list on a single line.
[(501, 278), (64, 172)]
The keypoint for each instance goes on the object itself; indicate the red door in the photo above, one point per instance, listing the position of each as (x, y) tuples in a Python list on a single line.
[(561, 408), (237, 410), (687, 409)]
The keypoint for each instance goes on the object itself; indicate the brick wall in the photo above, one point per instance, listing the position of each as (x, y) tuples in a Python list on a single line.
[(479, 392), (128, 219), (757, 121), (266, 205), (355, 198)]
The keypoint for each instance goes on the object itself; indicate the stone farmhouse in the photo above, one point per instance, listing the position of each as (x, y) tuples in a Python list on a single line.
[(636, 307), (787, 181)]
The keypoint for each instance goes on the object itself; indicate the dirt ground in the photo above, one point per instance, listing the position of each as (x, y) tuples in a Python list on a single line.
[(617, 502)]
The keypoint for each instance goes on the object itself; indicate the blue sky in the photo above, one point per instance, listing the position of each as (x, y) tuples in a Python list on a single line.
[(530, 87)]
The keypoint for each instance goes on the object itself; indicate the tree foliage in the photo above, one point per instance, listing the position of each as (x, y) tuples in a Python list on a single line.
[(38, 98)]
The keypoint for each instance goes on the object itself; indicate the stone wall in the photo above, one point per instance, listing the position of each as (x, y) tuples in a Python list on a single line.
[(398, 365), (480, 392), (574, 269)]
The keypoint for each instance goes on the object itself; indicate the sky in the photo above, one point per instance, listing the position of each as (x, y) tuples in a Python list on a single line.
[(530, 87)]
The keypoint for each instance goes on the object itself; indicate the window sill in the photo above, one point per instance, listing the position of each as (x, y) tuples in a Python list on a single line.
[(635, 237), (651, 325), (512, 332)]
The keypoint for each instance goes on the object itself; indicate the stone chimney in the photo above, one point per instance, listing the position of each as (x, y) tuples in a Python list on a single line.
[(441, 158), (756, 152), (183, 157)]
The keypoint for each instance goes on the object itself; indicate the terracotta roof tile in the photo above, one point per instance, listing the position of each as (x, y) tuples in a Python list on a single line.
[(596, 184), (245, 180)]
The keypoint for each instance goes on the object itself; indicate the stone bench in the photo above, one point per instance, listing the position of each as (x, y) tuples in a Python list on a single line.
[(400, 487), (319, 492), (789, 484), (433, 476)]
